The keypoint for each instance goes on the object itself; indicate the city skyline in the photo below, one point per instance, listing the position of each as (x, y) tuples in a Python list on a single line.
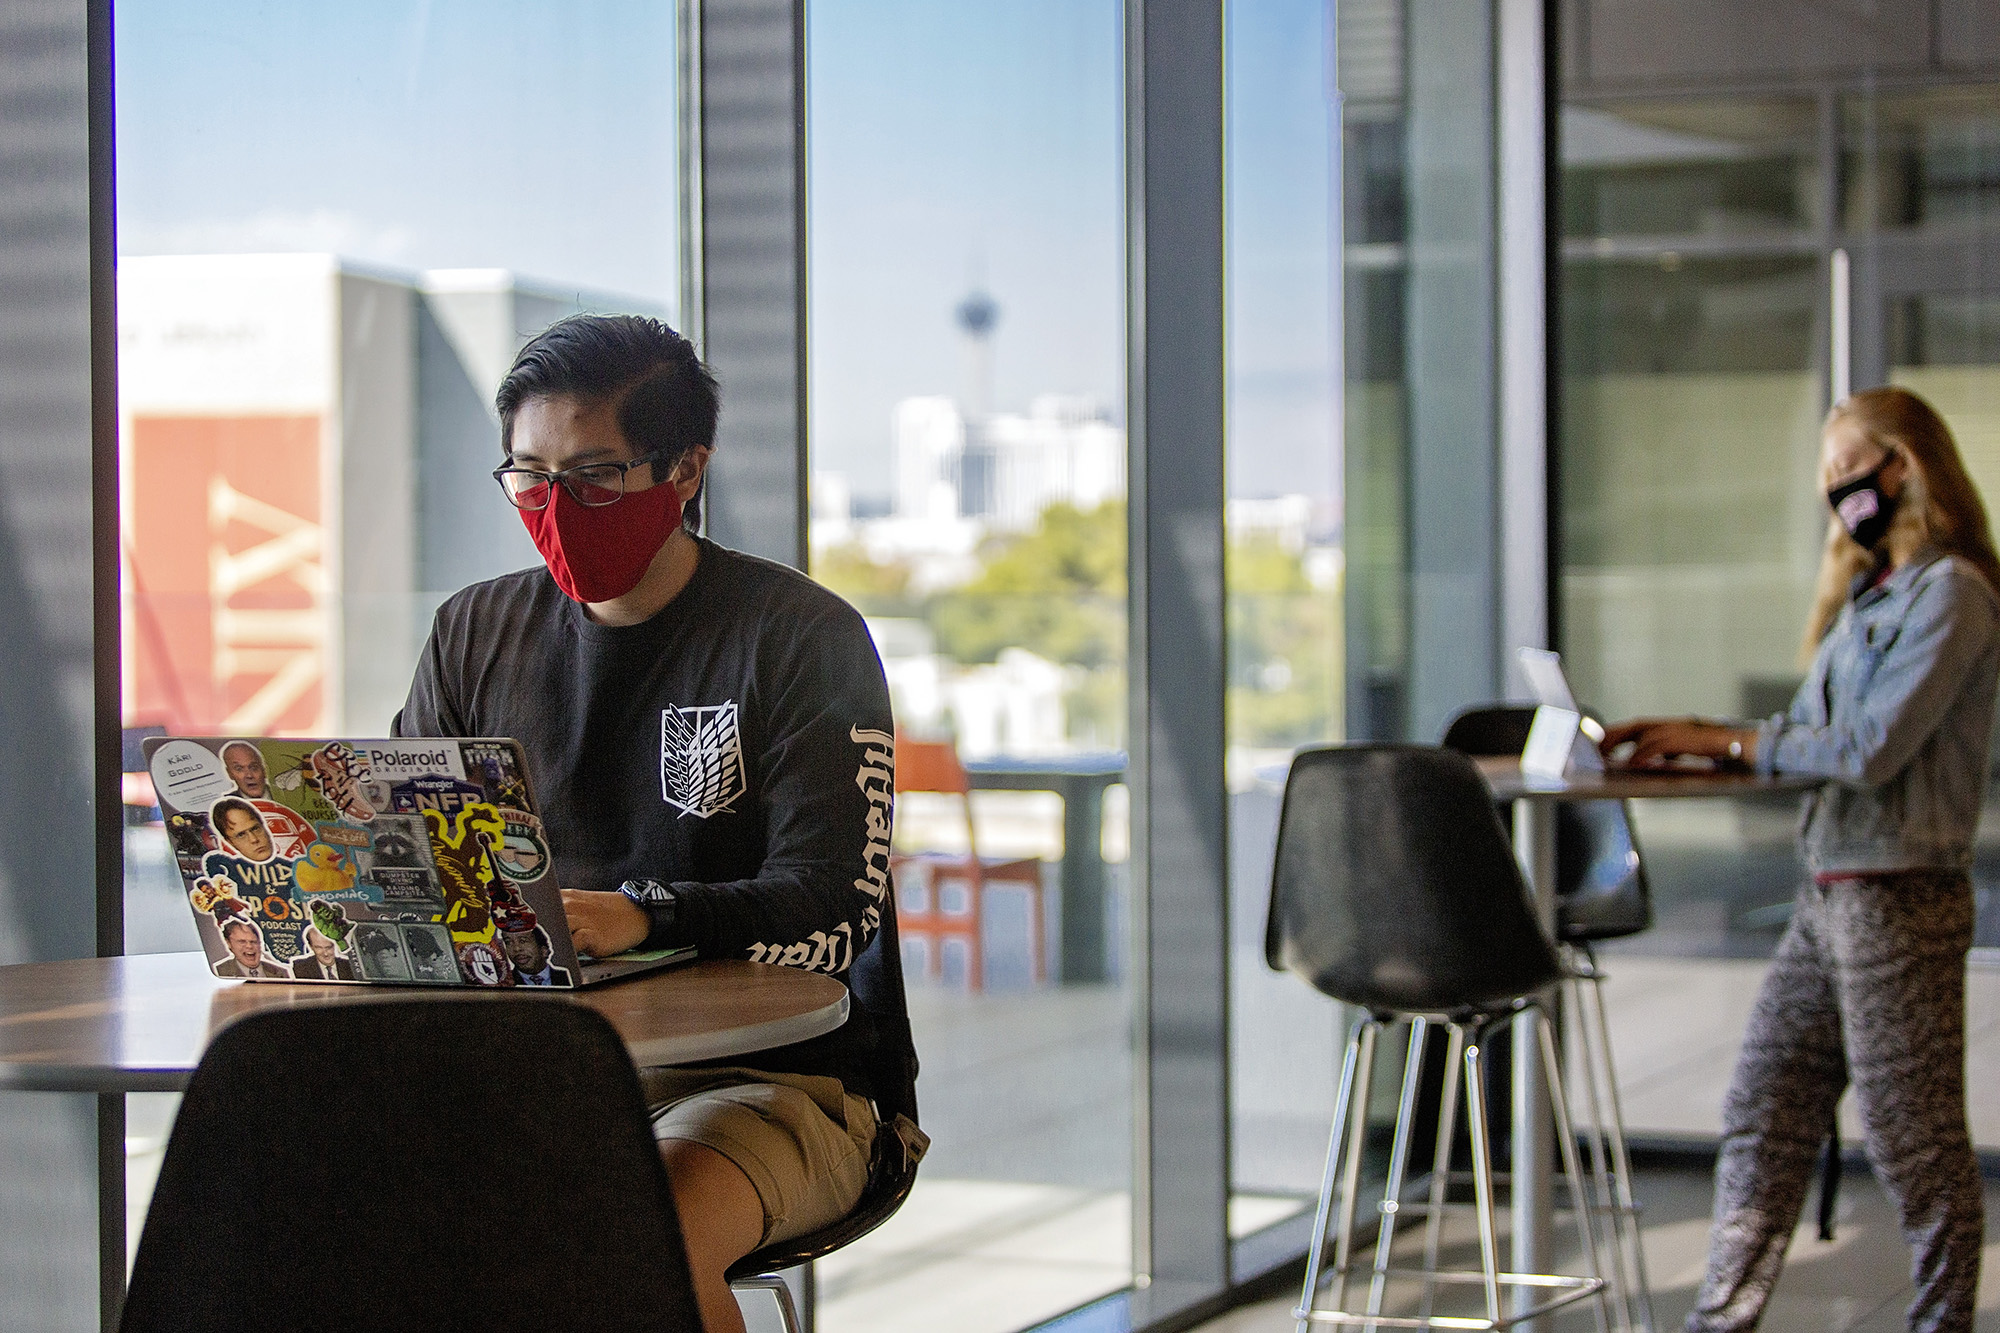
[(952, 149)]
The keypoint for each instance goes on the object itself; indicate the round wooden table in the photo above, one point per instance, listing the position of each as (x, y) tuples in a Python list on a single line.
[(140, 1023)]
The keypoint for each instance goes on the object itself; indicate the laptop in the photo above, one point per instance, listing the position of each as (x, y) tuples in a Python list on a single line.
[(1562, 740), (412, 862)]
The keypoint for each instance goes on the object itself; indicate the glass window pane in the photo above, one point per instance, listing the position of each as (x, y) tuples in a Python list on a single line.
[(317, 300), (337, 225), (1711, 242), (1691, 533), (1926, 159), (968, 487), (1283, 568), (1709, 168)]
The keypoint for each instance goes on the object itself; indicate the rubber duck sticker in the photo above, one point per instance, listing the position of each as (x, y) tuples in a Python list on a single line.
[(462, 846), (324, 870)]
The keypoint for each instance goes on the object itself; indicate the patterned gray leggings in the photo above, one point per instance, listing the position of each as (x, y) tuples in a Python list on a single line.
[(1868, 985)]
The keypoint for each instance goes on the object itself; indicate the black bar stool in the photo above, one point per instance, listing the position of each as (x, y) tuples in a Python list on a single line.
[(1395, 891)]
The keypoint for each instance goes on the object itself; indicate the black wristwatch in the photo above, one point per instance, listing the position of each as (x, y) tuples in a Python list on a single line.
[(662, 910)]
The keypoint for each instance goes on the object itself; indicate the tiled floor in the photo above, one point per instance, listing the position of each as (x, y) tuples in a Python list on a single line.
[(979, 1257), (1857, 1284)]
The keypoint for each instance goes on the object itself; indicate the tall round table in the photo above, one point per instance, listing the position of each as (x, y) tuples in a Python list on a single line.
[(140, 1023), (1535, 800)]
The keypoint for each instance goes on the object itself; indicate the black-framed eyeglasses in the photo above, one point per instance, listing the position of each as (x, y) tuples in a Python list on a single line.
[(593, 484)]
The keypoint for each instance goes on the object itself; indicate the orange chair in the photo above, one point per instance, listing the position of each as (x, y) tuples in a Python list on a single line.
[(942, 898)]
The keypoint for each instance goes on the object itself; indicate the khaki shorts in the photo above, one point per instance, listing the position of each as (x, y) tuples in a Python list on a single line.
[(804, 1141)]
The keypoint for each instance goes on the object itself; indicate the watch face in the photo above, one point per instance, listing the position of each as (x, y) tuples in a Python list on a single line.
[(646, 891)]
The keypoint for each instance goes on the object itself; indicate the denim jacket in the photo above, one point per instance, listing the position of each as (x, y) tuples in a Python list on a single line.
[(1897, 713)]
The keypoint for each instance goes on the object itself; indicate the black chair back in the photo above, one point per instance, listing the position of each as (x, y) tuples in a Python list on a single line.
[(1601, 887), (476, 1162), (875, 983), (1395, 888), (1490, 731)]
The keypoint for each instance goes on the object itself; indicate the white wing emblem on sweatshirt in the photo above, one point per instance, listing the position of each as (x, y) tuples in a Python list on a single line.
[(701, 759)]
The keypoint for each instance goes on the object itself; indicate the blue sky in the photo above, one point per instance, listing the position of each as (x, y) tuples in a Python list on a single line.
[(949, 144)]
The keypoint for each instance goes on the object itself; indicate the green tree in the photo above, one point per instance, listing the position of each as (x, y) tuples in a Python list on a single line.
[(875, 589), (1058, 592), (1284, 648)]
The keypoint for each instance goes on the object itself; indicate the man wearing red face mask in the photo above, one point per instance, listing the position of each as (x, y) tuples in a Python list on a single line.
[(711, 740)]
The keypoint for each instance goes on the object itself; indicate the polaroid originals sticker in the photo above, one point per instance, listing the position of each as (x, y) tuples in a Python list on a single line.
[(188, 777), (411, 759)]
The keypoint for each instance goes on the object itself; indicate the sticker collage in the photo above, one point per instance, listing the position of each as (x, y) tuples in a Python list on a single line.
[(413, 862)]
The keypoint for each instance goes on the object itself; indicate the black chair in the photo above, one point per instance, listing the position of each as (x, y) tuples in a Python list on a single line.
[(1601, 894), (875, 984), (1395, 891), (481, 1162), (1601, 888)]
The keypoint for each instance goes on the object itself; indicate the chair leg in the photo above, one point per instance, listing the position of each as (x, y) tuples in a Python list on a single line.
[(1350, 1183), (1572, 1164), (1639, 1291), (1316, 1252), (780, 1295), (1441, 1157), (1603, 1171), (1399, 1151), (1482, 1175)]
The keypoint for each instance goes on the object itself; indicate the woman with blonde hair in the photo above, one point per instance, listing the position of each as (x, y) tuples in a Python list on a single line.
[(1868, 983)]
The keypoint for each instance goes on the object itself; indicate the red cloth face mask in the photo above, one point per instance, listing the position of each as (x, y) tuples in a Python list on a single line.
[(600, 553)]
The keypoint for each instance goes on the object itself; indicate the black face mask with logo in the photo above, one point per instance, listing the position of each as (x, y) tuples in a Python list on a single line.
[(1862, 507)]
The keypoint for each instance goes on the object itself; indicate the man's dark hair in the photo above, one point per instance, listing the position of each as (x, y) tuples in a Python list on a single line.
[(666, 399), (237, 804), (236, 922)]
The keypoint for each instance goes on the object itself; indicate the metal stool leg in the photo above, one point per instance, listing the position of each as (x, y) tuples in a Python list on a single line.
[(1595, 1029), (1441, 1158), (1482, 1175), (1350, 1073), (773, 1300), (1392, 1190), (1350, 1183), (1343, 1169), (1572, 1164), (1603, 1170)]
